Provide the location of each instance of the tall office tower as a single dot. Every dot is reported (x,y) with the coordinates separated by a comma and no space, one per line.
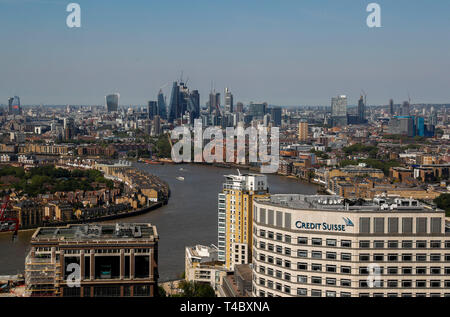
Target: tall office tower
(240,107)
(361,110)
(228,100)
(235,215)
(339,110)
(433,117)
(405,109)
(303,130)
(324,248)
(266,120)
(152,109)
(182,101)
(112,102)
(14,106)
(156,125)
(258,110)
(69,128)
(174,102)
(162,108)
(194,104)
(214,102)
(275,113)
(391,107)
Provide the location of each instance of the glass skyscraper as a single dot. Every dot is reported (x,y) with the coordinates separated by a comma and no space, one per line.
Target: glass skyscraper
(112,102)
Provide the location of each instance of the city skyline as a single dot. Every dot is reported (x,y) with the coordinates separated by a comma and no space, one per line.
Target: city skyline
(316,51)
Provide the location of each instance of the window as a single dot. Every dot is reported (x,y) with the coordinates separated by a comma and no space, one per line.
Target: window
(406,270)
(435,270)
(407,244)
(346,283)
(316,254)
(435,283)
(346,294)
(331,268)
(392,270)
(331,294)
(302,291)
(378,224)
(392,244)
(392,257)
(364,257)
(378,244)
(316,267)
(421,283)
(270,247)
(287,264)
(364,244)
(279,249)
(421,244)
(302,266)
(421,225)
(302,279)
(331,242)
(407,257)
(392,225)
(346,257)
(407,225)
(270,235)
(421,257)
(262,233)
(435,244)
(270,271)
(421,270)
(364,225)
(279,262)
(378,257)
(287,251)
(287,289)
(435,257)
(331,281)
(287,239)
(392,283)
(346,269)
(316,293)
(316,241)
(316,280)
(302,240)
(363,271)
(346,243)
(279,237)
(302,253)
(331,255)
(363,284)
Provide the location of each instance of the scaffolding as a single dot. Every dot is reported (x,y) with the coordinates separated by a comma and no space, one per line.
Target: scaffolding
(41,275)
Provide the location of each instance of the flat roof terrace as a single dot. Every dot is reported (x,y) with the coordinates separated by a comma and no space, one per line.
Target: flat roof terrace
(106,232)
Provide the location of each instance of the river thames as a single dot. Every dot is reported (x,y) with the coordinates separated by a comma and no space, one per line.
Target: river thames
(188,219)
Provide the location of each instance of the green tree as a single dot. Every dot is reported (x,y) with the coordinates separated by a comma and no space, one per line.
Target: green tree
(194,289)
(443,202)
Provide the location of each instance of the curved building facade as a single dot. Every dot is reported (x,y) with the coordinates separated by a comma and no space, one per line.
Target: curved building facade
(315,246)
(112,102)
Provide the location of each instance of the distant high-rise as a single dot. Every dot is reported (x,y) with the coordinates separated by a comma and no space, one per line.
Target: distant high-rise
(258,110)
(361,110)
(69,128)
(339,110)
(303,130)
(162,108)
(14,106)
(214,102)
(182,101)
(112,102)
(405,111)
(391,107)
(228,100)
(239,107)
(152,109)
(275,113)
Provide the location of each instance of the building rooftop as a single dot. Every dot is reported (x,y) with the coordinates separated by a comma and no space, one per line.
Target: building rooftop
(85,232)
(337,203)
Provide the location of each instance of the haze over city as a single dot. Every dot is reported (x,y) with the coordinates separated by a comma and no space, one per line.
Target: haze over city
(283,53)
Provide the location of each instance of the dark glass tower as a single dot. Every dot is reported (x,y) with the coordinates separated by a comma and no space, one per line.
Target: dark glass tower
(162,109)
(361,110)
(112,102)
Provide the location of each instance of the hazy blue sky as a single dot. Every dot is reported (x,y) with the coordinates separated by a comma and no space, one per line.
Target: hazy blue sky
(287,52)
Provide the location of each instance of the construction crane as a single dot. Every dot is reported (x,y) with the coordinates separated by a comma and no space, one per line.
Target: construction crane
(8,224)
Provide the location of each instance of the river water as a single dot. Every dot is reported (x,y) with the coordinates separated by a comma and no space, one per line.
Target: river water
(188,219)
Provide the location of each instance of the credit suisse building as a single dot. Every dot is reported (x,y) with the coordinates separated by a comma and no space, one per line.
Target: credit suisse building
(323,246)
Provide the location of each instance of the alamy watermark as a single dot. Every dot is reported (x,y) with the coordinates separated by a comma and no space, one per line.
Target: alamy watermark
(260,148)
